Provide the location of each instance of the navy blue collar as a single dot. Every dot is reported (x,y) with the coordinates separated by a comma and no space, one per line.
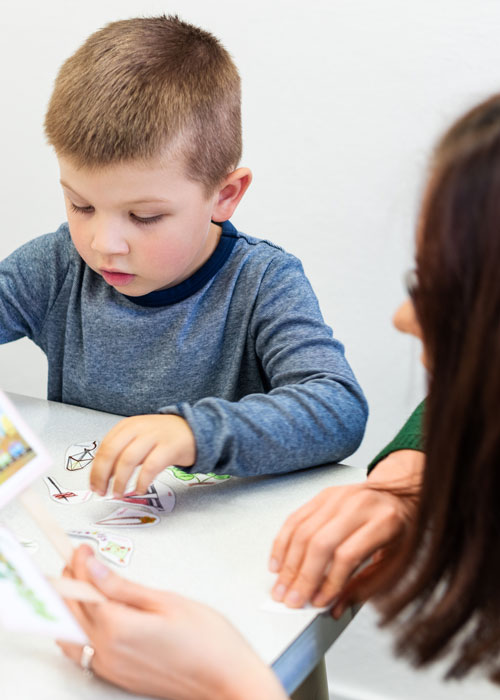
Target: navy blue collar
(185,289)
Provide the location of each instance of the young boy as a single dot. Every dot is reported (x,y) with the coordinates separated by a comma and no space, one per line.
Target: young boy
(149,301)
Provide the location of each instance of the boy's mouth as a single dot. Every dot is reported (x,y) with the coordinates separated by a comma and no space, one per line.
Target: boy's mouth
(116,279)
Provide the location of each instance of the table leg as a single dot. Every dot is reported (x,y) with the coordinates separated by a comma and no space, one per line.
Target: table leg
(315,686)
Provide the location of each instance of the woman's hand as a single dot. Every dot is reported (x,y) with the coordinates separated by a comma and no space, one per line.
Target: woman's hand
(323,543)
(162,644)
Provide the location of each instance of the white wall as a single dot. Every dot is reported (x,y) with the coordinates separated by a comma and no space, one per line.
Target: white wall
(342,100)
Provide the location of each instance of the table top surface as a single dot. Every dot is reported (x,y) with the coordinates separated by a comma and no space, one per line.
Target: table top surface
(213,547)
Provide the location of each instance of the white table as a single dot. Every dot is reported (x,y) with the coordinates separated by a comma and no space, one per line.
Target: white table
(213,547)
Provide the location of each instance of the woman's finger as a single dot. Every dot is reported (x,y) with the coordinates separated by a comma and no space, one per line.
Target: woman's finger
(298,545)
(324,505)
(282,541)
(72,651)
(355,550)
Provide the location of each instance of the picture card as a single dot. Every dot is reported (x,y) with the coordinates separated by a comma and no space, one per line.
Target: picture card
(28,603)
(22,456)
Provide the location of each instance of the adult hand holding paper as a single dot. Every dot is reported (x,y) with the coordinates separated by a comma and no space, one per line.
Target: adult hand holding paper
(27,601)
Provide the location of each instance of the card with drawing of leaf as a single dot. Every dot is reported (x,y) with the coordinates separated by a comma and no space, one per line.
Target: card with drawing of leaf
(28,603)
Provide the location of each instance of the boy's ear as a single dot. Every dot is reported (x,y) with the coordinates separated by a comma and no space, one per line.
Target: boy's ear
(230,193)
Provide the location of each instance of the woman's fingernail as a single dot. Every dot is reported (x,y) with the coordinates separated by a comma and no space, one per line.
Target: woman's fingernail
(279,592)
(274,566)
(338,611)
(96,569)
(295,599)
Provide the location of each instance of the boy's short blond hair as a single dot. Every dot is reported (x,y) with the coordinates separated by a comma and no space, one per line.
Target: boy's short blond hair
(140,87)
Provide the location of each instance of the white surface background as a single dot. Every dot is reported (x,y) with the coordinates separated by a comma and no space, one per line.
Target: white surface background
(342,102)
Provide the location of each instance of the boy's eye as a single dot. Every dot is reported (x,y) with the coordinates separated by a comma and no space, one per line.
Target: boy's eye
(146,219)
(81,210)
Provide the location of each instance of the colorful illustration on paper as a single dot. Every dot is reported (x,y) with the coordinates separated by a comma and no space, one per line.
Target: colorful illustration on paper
(28,603)
(80,455)
(9,573)
(159,497)
(115,548)
(197,479)
(130,517)
(14,450)
(66,496)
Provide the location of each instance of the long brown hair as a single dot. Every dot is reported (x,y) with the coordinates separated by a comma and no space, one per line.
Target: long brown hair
(448,600)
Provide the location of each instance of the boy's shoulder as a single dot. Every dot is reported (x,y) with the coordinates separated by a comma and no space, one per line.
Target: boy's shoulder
(53,251)
(58,241)
(255,249)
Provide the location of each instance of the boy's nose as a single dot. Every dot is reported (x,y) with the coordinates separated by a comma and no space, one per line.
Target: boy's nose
(109,240)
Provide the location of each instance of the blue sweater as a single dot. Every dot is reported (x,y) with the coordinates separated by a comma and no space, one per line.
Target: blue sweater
(240,350)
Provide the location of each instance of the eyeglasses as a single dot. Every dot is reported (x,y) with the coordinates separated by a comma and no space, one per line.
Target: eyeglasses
(410,279)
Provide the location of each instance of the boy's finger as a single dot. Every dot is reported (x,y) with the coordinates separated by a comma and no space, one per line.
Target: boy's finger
(135,453)
(156,461)
(104,461)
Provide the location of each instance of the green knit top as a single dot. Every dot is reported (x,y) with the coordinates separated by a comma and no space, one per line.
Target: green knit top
(410,437)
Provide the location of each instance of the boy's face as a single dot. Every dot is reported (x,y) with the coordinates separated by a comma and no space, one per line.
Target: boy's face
(142,227)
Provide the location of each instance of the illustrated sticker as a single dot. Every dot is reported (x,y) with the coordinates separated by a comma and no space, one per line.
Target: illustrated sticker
(80,455)
(159,497)
(115,548)
(198,479)
(60,495)
(130,517)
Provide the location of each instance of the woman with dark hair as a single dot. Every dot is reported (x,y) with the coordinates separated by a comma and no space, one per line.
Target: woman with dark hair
(430,530)
(439,580)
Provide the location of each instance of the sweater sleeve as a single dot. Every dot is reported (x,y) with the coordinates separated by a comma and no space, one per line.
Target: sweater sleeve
(410,437)
(314,411)
(30,279)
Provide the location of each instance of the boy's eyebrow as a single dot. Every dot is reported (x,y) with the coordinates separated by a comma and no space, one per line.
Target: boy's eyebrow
(150,200)
(65,184)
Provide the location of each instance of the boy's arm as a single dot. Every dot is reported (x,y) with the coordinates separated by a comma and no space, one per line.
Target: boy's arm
(30,278)
(314,411)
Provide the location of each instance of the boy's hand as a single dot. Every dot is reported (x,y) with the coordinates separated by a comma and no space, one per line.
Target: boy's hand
(321,545)
(152,441)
